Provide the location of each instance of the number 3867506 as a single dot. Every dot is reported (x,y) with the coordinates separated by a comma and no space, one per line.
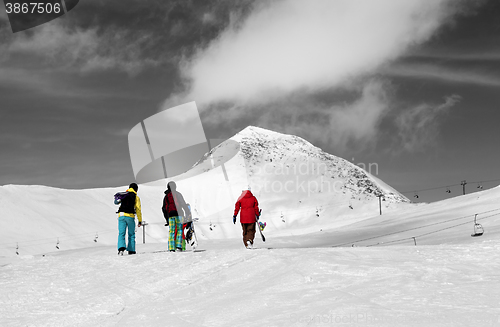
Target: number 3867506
(32,8)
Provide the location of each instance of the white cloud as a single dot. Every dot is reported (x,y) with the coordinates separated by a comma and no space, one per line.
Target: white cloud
(288,45)
(358,122)
(288,51)
(441,73)
(83,50)
(50,39)
(51,84)
(420,126)
(475,53)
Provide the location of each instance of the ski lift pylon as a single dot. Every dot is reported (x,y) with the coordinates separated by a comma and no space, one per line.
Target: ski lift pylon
(478,228)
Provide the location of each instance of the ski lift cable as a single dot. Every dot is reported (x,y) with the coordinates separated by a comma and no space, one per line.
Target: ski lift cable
(430,189)
(410,238)
(449,185)
(425,234)
(418,236)
(436,231)
(419,227)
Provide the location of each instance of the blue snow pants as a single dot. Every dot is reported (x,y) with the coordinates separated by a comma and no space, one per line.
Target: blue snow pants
(125,223)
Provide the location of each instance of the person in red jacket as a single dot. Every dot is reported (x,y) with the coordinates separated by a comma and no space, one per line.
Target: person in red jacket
(249,211)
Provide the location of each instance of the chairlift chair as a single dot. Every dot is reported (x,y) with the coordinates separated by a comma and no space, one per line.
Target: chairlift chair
(478,228)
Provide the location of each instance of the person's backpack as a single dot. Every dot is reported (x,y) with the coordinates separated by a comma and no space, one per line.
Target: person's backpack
(119,197)
(169,209)
(165,206)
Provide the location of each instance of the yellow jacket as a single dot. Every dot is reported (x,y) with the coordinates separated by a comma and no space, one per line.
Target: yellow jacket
(137,207)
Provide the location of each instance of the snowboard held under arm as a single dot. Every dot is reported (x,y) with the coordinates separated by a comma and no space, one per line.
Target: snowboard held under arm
(257,218)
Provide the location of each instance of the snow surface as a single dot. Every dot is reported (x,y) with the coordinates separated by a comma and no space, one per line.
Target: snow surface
(323,264)
(447,285)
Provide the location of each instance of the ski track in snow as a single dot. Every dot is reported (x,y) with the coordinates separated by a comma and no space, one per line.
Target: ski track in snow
(448,285)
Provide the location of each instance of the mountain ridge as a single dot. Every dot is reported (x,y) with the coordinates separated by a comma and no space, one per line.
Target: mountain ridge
(261,146)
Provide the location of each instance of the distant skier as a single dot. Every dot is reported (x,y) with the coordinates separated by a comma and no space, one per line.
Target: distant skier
(129,207)
(249,211)
(174,208)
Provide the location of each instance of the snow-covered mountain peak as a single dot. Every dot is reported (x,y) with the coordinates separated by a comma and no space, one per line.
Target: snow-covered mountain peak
(293,180)
(286,155)
(254,134)
(254,130)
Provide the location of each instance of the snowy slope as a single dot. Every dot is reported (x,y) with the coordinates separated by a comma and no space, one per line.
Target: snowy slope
(35,229)
(298,186)
(306,274)
(38,218)
(452,285)
(35,217)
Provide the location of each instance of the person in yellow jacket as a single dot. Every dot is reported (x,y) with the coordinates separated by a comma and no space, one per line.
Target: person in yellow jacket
(129,207)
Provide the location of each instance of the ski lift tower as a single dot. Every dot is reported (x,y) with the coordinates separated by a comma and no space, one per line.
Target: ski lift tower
(380,202)
(463,183)
(143,224)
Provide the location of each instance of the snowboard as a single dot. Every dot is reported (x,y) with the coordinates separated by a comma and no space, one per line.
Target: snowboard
(259,228)
(190,235)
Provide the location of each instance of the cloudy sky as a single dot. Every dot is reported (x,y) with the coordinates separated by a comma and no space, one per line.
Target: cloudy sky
(408,86)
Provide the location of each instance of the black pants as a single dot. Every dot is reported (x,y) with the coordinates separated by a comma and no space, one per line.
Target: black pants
(248,232)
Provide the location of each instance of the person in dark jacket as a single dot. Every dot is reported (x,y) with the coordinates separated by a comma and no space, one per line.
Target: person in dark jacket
(174,208)
(249,206)
(129,207)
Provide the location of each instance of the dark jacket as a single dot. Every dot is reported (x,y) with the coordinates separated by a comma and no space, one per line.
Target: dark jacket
(174,205)
(131,205)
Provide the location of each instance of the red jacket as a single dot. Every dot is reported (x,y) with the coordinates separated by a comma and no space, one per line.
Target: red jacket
(249,207)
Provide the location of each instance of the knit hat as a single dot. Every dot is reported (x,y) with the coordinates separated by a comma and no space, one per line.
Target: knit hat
(134,186)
